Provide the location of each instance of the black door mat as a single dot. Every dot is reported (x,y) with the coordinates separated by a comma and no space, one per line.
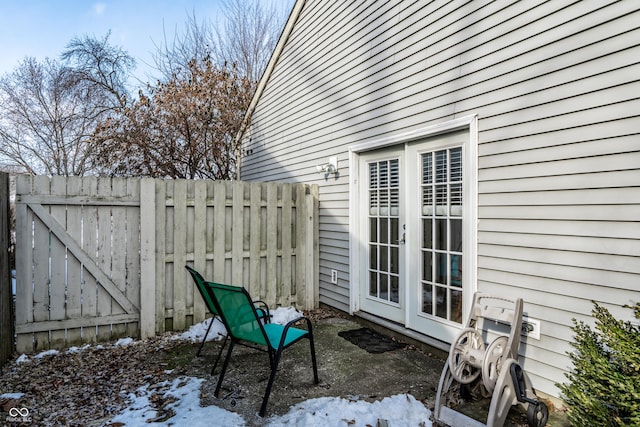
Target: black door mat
(370,341)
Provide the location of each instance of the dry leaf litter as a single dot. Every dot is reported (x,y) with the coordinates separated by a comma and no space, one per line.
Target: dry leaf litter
(87,386)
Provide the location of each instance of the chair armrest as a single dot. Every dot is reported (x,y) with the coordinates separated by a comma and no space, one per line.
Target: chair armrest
(290,324)
(261,305)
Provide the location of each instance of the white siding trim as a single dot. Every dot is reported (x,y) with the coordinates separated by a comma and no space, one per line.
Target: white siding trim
(469,121)
(262,84)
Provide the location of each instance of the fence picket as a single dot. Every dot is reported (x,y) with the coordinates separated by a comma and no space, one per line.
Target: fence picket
(150,322)
(286,258)
(161,242)
(57,256)
(24,264)
(219,233)
(41,277)
(104,256)
(179,252)
(74,274)
(132,253)
(272,242)
(237,232)
(199,246)
(254,283)
(118,251)
(90,245)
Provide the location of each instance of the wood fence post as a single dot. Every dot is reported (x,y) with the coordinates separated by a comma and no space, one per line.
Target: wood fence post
(148,258)
(6,297)
(312,259)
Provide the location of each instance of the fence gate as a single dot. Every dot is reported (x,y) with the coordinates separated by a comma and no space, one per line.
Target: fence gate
(79,244)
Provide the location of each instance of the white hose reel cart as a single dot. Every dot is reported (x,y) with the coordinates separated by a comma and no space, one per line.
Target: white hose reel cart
(488,370)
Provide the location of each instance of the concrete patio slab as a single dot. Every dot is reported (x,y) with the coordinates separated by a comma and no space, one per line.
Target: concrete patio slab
(345,370)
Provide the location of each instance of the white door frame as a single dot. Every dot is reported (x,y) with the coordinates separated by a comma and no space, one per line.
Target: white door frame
(467,122)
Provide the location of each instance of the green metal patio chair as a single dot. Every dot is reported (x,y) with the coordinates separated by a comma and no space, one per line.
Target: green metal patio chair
(263,311)
(244,327)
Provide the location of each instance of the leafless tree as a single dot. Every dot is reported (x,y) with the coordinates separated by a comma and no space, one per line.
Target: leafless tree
(101,68)
(245,39)
(174,54)
(43,120)
(250,34)
(50,109)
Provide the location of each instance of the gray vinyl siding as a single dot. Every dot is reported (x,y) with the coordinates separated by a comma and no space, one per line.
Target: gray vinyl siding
(555,86)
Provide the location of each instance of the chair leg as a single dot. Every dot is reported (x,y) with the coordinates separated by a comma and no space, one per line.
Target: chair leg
(204,339)
(313,359)
(272,377)
(215,364)
(271,354)
(224,369)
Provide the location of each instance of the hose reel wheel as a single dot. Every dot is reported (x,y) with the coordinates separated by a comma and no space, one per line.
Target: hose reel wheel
(492,362)
(537,414)
(466,355)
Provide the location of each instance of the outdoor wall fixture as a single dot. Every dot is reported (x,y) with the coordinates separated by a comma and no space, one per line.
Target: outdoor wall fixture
(330,167)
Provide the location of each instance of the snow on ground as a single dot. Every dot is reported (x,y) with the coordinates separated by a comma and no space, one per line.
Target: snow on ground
(398,410)
(46,353)
(284,315)
(187,407)
(11,395)
(196,332)
(23,358)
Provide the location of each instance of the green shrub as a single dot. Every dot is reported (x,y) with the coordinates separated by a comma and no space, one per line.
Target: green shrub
(604,385)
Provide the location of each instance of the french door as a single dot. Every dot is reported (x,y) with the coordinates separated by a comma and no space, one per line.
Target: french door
(383,223)
(413,223)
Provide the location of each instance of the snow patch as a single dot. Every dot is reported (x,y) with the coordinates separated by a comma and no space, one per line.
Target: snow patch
(196,332)
(14,396)
(74,349)
(187,407)
(398,410)
(283,315)
(123,341)
(46,353)
(23,358)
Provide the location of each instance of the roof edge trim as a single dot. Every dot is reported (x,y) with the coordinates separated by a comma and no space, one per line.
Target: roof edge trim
(275,56)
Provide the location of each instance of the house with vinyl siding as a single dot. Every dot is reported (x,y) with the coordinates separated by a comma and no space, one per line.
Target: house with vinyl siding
(487,146)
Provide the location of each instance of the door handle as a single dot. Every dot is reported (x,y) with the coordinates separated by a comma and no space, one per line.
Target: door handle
(402,240)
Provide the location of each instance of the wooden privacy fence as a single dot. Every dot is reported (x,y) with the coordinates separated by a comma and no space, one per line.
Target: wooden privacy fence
(102,258)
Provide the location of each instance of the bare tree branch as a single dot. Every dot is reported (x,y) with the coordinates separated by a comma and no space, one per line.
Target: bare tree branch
(49,110)
(250,34)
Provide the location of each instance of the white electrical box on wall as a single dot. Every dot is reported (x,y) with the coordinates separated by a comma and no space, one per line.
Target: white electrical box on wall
(531,328)
(334,277)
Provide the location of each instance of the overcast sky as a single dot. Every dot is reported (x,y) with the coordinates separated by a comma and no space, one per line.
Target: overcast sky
(42,28)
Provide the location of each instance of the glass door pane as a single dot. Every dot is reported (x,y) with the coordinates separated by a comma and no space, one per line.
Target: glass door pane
(384,230)
(441,245)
